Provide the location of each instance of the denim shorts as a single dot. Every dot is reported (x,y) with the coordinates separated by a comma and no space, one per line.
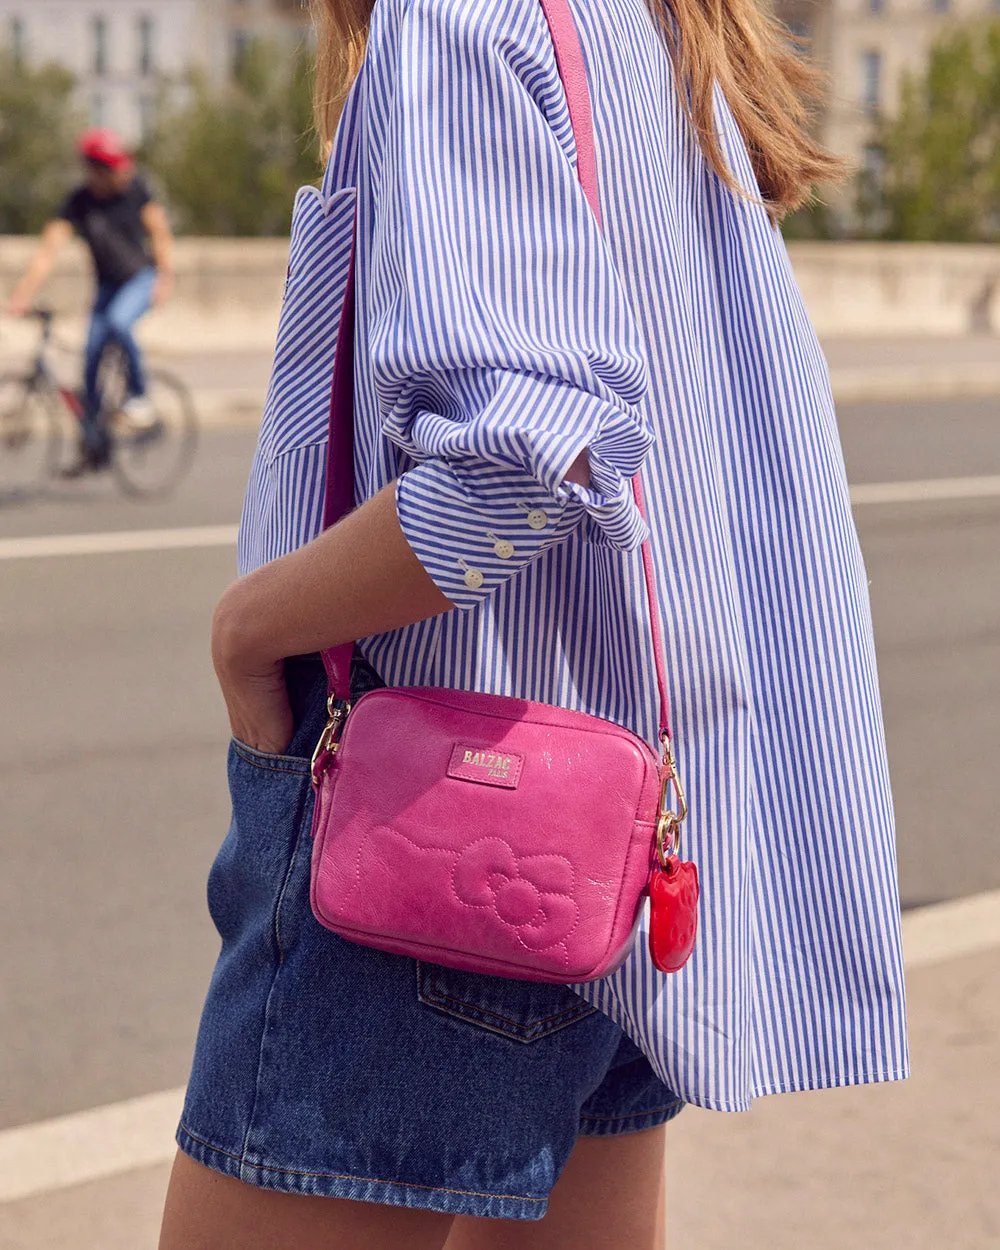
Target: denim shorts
(327,1068)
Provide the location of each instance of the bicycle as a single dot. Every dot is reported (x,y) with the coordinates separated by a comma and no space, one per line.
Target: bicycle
(148,457)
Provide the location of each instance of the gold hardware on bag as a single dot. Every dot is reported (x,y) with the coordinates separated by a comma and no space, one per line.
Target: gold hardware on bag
(668,828)
(330,737)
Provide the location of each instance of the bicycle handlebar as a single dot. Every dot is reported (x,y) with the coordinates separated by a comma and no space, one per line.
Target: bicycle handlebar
(45,316)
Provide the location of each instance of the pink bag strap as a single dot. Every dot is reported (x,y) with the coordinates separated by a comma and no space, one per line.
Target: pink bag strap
(339,498)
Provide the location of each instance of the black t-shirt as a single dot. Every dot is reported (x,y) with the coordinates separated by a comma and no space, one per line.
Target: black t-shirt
(113,230)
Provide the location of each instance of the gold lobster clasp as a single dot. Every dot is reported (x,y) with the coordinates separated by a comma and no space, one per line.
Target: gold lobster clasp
(668,828)
(330,737)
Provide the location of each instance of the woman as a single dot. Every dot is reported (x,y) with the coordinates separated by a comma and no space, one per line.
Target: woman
(514,365)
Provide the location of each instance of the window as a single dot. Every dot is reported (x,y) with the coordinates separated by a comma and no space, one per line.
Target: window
(99,30)
(871,80)
(873,168)
(146,29)
(17,39)
(871,207)
(239,44)
(146,109)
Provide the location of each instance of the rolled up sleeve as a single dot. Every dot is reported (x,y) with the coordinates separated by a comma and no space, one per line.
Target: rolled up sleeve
(502,343)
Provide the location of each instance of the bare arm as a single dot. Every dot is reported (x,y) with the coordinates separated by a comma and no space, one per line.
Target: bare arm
(54,236)
(161,241)
(359,578)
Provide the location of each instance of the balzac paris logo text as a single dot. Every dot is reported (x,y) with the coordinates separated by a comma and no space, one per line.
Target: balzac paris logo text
(495,765)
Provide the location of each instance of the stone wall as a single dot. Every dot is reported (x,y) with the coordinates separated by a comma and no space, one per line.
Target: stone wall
(228,292)
(899,289)
(226,297)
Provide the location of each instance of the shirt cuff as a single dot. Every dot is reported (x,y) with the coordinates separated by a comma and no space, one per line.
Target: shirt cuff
(613,518)
(472,528)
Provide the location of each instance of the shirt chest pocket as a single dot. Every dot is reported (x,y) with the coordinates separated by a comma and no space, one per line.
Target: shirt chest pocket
(297,410)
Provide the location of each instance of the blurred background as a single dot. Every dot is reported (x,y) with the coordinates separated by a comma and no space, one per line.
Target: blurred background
(112,740)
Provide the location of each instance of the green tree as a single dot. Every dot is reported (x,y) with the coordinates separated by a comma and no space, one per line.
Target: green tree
(37,129)
(229,162)
(814,221)
(942,150)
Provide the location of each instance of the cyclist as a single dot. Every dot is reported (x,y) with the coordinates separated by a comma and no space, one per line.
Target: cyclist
(131,244)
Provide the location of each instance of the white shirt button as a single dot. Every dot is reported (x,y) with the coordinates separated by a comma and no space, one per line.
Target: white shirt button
(474,579)
(537,519)
(503,549)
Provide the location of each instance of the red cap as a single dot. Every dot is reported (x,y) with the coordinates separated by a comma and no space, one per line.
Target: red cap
(103,147)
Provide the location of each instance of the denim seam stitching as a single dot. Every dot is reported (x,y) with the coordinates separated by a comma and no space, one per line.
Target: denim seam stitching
(569,1015)
(260,759)
(288,880)
(270,994)
(522,1037)
(364,1180)
(435,999)
(632,1115)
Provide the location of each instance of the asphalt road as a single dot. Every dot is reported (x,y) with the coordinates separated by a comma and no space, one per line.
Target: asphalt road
(112,745)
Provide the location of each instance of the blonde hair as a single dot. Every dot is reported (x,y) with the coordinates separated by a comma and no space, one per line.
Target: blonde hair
(769,85)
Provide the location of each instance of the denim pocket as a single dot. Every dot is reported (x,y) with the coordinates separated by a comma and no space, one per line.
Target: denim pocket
(271,801)
(523,1011)
(272,760)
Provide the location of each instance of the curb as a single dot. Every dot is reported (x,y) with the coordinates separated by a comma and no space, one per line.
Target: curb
(857,386)
(232,406)
(242,406)
(106,1141)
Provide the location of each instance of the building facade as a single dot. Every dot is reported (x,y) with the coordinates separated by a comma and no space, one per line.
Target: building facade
(124,52)
(867,47)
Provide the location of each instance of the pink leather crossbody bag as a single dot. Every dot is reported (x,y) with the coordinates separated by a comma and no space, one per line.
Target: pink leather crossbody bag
(487,833)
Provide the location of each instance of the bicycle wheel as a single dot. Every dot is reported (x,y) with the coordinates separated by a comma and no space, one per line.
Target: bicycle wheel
(29,437)
(151,453)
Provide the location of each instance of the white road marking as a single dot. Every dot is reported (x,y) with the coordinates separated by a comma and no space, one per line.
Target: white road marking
(188,537)
(966,926)
(115,541)
(939,489)
(125,1136)
(88,1146)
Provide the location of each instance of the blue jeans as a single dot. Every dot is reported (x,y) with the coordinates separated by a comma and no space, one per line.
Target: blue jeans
(116,311)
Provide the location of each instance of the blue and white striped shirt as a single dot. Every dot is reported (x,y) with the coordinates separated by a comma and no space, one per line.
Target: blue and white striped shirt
(499,333)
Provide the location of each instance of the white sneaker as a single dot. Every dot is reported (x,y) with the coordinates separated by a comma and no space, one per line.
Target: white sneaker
(139,413)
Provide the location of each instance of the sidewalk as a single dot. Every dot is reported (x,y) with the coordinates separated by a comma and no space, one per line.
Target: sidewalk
(229,386)
(914,368)
(911,1166)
